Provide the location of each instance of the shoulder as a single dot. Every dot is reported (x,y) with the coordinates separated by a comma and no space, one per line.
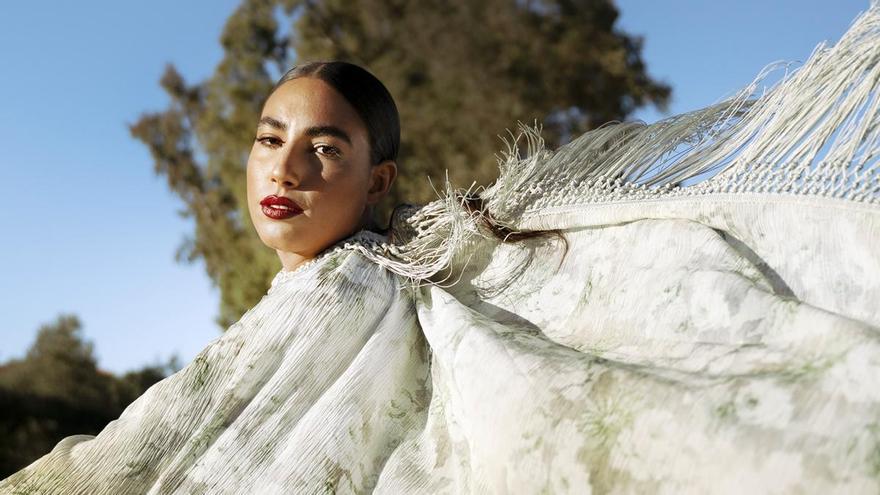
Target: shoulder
(349,265)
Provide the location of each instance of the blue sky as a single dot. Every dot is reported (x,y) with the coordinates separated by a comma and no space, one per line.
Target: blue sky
(89,229)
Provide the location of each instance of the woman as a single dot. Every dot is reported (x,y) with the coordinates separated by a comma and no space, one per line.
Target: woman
(716,338)
(323,156)
(263,408)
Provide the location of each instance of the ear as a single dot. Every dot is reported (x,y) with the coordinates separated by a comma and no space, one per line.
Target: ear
(381,178)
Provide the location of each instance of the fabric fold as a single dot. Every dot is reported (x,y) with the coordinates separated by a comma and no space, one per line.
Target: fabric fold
(310,388)
(677,371)
(663,331)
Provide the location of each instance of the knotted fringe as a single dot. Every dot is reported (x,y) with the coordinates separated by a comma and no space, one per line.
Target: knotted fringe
(425,238)
(815,132)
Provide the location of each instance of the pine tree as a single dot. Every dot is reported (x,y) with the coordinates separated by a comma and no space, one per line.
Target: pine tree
(462,73)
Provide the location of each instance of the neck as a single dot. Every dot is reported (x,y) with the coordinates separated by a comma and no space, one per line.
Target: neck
(292,261)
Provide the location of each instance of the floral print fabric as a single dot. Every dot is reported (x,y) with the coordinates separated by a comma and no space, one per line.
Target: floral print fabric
(650,357)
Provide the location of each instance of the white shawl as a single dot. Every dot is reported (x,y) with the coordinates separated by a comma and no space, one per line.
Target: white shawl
(718,337)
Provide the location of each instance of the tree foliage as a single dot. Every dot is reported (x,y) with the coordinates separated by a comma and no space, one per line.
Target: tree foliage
(57,390)
(462,73)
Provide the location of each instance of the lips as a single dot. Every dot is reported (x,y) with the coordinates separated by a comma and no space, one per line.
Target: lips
(279,207)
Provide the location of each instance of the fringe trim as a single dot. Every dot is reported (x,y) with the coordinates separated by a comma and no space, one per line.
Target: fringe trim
(425,239)
(814,133)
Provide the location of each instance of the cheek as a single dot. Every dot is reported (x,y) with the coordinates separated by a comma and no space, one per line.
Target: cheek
(250,187)
(346,192)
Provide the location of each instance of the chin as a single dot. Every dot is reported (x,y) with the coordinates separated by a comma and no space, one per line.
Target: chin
(282,241)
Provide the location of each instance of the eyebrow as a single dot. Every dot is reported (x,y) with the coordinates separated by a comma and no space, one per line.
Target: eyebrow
(273,122)
(328,130)
(314,131)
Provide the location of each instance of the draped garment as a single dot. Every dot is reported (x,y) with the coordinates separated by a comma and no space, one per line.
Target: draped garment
(705,320)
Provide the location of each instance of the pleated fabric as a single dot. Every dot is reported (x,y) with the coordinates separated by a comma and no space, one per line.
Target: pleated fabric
(718,337)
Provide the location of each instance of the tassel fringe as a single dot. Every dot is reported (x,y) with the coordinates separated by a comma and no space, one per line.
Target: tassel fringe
(816,132)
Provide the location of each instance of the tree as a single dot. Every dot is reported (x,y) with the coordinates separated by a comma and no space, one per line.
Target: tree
(462,73)
(57,390)
(61,365)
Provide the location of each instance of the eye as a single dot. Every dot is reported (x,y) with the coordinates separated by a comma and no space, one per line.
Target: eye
(269,141)
(331,151)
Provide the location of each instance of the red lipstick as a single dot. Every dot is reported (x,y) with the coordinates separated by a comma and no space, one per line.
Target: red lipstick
(279,207)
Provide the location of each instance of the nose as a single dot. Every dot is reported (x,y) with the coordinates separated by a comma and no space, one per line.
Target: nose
(288,171)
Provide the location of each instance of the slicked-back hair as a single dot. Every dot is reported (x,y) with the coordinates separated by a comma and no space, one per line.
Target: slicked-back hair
(366,94)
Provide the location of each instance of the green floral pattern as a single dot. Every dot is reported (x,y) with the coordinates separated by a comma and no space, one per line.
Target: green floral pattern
(612,369)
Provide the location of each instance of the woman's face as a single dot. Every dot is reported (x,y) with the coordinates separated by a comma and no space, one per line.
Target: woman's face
(311,147)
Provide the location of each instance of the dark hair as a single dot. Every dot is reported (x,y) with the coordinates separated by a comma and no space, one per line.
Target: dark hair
(373,103)
(366,94)
(474,203)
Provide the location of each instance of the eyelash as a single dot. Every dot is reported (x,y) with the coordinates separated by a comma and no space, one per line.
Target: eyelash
(269,141)
(334,151)
(273,142)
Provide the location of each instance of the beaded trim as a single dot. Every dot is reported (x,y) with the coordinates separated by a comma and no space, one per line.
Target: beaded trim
(363,239)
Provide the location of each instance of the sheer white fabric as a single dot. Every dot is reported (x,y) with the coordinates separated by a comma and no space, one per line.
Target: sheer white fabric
(717,338)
